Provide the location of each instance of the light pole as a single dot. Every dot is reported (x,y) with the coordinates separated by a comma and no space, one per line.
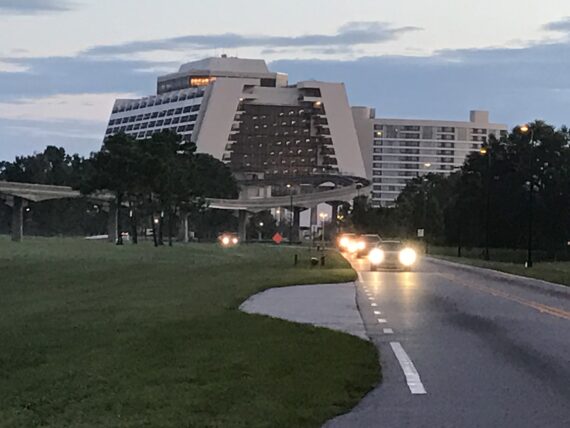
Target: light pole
(427,165)
(486,151)
(527,130)
(260,232)
(323,217)
(290,187)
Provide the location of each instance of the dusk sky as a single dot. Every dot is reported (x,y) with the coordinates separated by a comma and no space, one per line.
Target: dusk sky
(62,63)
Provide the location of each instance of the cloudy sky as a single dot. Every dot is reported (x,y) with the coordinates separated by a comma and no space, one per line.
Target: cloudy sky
(63,62)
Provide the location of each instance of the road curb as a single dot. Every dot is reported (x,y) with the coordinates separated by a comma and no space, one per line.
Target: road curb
(509,277)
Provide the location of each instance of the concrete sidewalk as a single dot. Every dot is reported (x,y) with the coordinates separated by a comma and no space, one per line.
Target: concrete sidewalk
(326,305)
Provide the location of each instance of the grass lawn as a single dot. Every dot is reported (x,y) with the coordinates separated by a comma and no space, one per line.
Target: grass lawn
(97,335)
(558,272)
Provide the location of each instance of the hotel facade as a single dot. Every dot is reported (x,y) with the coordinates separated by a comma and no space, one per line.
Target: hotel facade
(239,111)
(396,151)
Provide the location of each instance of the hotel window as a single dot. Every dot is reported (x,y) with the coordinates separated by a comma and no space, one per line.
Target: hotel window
(170,112)
(187,109)
(154,115)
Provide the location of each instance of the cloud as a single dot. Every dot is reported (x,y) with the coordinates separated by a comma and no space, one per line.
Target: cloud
(47,76)
(561,26)
(24,137)
(353,33)
(82,107)
(516,85)
(31,7)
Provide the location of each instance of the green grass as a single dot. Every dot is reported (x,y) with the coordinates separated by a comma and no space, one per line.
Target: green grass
(93,335)
(557,272)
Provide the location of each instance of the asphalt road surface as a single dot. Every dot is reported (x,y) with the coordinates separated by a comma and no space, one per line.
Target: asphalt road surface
(463,348)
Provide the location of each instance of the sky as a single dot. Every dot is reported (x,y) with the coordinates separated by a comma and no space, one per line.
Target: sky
(63,62)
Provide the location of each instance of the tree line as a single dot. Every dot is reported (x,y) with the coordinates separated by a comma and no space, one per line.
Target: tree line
(515,187)
(158,183)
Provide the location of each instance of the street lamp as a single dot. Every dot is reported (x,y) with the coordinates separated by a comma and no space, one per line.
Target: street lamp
(290,188)
(323,217)
(527,130)
(425,199)
(485,151)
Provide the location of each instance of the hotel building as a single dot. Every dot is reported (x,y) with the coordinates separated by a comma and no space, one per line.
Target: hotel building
(397,150)
(241,112)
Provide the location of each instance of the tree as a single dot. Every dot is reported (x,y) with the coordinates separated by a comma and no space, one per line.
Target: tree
(115,168)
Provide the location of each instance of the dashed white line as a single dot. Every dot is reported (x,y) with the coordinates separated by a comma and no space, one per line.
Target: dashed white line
(382,320)
(373,304)
(412,376)
(377,313)
(371,298)
(388,331)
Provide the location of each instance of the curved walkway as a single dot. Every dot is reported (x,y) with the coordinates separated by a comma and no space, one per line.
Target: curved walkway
(331,306)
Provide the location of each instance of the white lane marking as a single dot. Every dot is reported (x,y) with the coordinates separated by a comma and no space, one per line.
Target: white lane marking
(373,304)
(412,376)
(388,331)
(360,278)
(371,298)
(382,320)
(377,313)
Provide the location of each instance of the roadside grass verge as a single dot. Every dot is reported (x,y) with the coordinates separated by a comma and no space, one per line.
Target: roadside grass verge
(94,335)
(557,272)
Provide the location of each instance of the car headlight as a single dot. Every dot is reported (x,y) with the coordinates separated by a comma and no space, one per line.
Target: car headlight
(408,257)
(361,245)
(352,247)
(376,256)
(344,242)
(235,241)
(226,241)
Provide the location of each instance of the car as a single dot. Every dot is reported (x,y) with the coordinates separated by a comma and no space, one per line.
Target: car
(345,240)
(392,255)
(365,243)
(228,239)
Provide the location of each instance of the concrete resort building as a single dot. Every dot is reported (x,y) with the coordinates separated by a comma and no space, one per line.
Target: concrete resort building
(239,111)
(397,150)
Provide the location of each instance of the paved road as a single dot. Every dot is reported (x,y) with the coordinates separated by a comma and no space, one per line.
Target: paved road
(478,350)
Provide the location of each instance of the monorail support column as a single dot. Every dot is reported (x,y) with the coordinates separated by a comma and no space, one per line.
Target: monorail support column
(18,219)
(334,217)
(314,221)
(242,225)
(296,223)
(113,223)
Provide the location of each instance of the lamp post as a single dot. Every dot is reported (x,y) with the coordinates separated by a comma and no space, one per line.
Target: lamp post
(323,217)
(427,165)
(485,151)
(290,188)
(527,130)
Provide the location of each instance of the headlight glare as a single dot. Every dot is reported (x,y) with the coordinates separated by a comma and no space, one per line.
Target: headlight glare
(408,257)
(376,256)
